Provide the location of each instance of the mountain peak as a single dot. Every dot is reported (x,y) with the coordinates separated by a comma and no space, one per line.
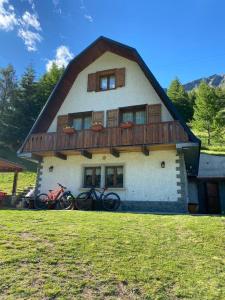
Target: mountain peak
(216,80)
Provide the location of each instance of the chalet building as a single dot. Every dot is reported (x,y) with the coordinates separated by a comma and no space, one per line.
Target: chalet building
(109,123)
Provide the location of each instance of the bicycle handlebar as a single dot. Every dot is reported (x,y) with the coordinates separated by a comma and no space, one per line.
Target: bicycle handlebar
(63,187)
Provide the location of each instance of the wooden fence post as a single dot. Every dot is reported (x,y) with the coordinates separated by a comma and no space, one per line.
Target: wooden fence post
(15,178)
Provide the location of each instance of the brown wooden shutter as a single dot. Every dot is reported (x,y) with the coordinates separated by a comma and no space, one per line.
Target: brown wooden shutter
(113,118)
(62,122)
(98,116)
(154,113)
(120,77)
(91,82)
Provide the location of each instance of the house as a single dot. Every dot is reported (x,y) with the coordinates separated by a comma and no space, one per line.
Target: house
(108,122)
(207,190)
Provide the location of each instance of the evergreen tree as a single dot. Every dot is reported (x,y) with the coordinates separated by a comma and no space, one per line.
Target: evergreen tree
(8,94)
(47,83)
(205,109)
(179,96)
(24,109)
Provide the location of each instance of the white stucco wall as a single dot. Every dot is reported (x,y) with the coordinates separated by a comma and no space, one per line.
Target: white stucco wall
(137,90)
(144,179)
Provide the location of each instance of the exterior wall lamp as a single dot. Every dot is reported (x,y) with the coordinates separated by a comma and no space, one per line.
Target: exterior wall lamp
(50,169)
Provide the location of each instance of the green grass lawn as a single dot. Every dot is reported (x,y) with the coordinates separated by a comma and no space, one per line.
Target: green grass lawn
(25,179)
(98,255)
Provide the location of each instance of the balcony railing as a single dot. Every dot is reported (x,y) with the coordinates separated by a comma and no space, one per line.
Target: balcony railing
(148,134)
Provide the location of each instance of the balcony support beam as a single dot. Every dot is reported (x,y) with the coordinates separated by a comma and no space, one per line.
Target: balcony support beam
(86,154)
(60,155)
(145,150)
(114,152)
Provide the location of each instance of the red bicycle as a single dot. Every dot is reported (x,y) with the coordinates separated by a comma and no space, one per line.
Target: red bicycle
(58,198)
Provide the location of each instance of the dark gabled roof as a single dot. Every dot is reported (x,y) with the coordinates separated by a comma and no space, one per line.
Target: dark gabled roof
(79,63)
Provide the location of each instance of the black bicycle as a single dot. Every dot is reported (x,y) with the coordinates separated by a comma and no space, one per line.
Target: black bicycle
(110,201)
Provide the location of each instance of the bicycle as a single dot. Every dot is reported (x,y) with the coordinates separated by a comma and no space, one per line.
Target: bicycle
(110,201)
(58,198)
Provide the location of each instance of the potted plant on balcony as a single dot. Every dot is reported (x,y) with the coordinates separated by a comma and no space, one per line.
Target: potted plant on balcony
(69,130)
(128,124)
(97,126)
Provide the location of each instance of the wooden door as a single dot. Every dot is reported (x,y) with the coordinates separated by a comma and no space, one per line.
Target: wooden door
(212,198)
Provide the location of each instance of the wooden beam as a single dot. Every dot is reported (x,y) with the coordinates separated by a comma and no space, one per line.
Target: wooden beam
(145,150)
(60,155)
(114,152)
(15,178)
(86,154)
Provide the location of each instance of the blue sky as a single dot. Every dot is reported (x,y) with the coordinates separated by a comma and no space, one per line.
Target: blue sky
(175,38)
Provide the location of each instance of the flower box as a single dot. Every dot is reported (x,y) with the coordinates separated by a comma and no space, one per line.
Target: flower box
(97,127)
(69,130)
(126,125)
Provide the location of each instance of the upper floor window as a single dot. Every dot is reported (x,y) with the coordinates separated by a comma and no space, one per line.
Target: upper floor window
(136,115)
(107,82)
(81,121)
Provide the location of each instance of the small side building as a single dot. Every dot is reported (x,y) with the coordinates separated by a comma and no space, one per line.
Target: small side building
(207,190)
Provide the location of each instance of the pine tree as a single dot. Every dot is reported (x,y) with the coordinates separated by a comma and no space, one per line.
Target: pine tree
(47,83)
(24,108)
(8,94)
(179,96)
(205,110)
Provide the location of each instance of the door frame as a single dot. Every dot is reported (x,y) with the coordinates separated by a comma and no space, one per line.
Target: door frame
(206,195)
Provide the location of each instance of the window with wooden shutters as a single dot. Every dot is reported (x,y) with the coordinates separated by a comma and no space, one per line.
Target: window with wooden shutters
(62,122)
(106,80)
(80,121)
(113,118)
(135,114)
(154,113)
(98,117)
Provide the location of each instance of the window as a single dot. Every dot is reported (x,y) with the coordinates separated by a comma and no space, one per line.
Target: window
(136,115)
(107,82)
(81,121)
(114,176)
(92,176)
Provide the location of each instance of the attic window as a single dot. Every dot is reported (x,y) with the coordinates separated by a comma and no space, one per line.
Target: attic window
(107,82)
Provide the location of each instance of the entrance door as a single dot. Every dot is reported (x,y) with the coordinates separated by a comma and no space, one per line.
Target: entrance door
(212,198)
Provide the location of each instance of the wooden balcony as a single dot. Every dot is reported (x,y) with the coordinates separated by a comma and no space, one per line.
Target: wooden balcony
(148,134)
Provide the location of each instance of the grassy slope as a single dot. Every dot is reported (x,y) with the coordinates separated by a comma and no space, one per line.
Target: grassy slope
(25,179)
(95,255)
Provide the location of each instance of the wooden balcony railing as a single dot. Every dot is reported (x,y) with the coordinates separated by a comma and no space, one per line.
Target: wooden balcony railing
(149,134)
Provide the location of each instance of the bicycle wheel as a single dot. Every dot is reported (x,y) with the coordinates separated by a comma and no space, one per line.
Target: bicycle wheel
(64,202)
(84,201)
(42,201)
(111,201)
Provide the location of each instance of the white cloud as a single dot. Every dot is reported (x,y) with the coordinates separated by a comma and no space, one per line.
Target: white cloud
(89,18)
(8,18)
(28,26)
(62,57)
(30,38)
(29,19)
(86,14)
